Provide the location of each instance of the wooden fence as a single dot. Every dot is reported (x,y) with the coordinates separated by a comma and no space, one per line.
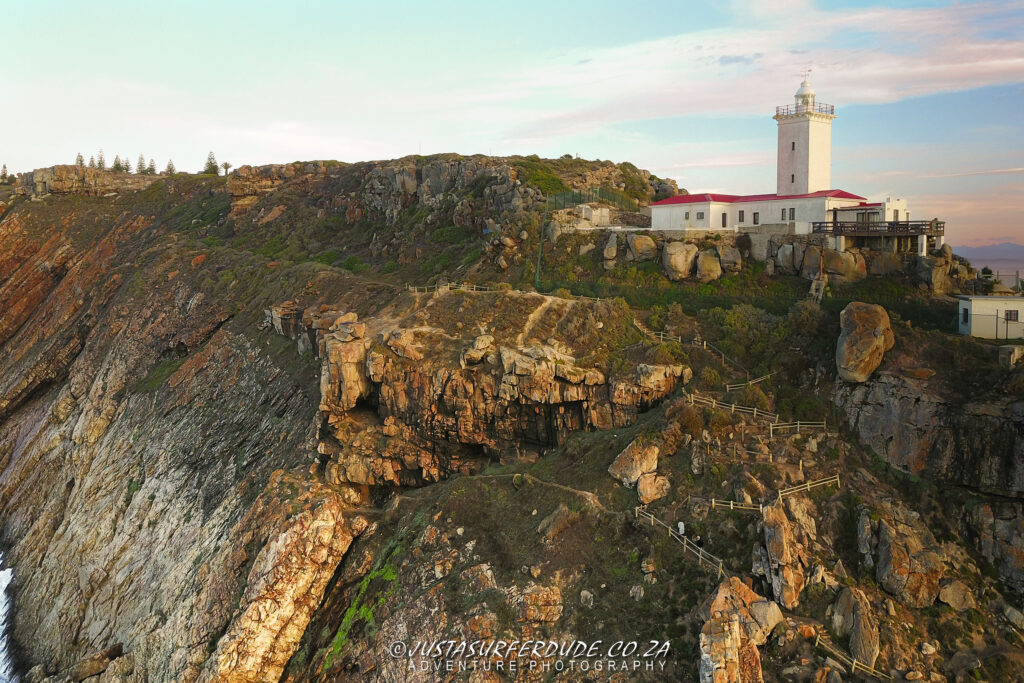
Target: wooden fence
(450,287)
(855,666)
(704,559)
(834,479)
(662,338)
(694,399)
(733,505)
(749,382)
(798,425)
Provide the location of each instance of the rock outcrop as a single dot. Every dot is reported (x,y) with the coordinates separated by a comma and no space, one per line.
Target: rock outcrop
(785,568)
(907,569)
(484,406)
(851,616)
(864,338)
(708,266)
(71,179)
(641,247)
(634,462)
(730,258)
(737,621)
(284,588)
(678,259)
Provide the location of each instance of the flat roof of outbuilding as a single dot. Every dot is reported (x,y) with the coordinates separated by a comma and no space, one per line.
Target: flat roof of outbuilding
(989,297)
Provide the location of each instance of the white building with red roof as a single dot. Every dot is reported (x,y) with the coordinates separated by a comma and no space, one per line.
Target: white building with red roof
(804,201)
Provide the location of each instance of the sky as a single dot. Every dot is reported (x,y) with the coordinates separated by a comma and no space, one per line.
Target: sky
(929,95)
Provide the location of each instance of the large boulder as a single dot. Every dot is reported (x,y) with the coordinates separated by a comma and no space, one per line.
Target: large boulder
(864,338)
(651,487)
(730,258)
(957,595)
(843,266)
(611,250)
(907,569)
(934,272)
(784,259)
(810,268)
(851,616)
(678,259)
(633,462)
(884,263)
(611,247)
(641,247)
(708,266)
(784,557)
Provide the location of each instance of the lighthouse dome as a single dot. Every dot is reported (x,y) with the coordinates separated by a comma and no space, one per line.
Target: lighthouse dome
(805,90)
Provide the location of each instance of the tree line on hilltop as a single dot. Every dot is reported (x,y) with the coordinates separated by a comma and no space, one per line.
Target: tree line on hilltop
(142,167)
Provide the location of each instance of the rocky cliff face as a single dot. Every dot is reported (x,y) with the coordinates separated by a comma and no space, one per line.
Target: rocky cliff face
(71,179)
(977,445)
(443,402)
(385,190)
(222,459)
(144,502)
(178,481)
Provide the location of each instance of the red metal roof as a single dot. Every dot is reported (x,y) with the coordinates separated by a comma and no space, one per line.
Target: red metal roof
(734,198)
(861,205)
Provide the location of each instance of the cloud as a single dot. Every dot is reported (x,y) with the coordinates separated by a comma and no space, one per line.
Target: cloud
(994,171)
(726,60)
(872,55)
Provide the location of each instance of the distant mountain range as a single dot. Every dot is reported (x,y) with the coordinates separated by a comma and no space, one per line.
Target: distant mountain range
(1007,251)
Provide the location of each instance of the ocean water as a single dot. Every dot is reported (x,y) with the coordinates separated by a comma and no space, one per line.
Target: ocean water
(7,674)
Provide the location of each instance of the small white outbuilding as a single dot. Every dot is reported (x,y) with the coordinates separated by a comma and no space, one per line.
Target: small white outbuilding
(991,317)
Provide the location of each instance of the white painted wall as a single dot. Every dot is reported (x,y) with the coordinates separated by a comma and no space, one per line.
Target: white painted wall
(805,211)
(808,167)
(986,317)
(684,216)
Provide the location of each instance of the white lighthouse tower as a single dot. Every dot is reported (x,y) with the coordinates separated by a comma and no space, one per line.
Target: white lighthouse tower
(805,144)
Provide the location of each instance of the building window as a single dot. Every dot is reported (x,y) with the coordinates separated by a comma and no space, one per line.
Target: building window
(725,218)
(792,177)
(964,318)
(757,218)
(793,147)
(700,215)
(687,216)
(792,214)
(741,216)
(1011,316)
(783,214)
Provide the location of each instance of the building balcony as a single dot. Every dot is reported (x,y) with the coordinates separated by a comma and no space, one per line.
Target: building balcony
(816,108)
(879,228)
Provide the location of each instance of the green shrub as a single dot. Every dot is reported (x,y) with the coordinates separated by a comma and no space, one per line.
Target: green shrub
(710,379)
(752,395)
(389,267)
(355,265)
(327,257)
(450,235)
